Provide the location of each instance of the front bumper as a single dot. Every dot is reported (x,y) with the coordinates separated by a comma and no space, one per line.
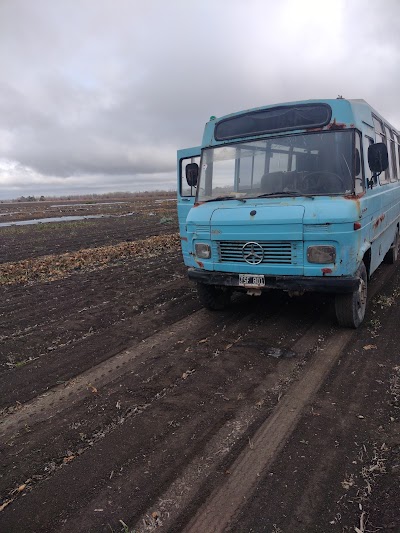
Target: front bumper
(286,283)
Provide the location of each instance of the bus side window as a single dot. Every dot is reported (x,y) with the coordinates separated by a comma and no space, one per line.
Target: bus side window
(380,137)
(391,154)
(186,190)
(398,153)
(394,153)
(359,167)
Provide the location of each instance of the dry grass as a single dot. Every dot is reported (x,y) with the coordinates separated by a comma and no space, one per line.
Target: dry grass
(58,266)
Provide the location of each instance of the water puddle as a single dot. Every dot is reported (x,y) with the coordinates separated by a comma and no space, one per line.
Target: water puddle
(58,219)
(277,353)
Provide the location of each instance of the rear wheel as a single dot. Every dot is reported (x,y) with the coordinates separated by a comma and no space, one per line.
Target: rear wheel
(214,298)
(393,253)
(350,308)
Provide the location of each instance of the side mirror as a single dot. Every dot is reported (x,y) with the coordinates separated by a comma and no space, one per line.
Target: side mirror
(192,174)
(378,160)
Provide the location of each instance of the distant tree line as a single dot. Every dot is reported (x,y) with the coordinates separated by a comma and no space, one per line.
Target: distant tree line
(93,196)
(29,199)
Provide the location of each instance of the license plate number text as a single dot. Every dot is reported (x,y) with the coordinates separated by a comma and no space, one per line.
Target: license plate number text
(250,280)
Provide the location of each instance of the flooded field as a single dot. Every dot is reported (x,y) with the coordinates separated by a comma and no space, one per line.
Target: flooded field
(27,211)
(125,406)
(57,219)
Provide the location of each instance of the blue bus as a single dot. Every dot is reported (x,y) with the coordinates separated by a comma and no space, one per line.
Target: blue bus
(300,196)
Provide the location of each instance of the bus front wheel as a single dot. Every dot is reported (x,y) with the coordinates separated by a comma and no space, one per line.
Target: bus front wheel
(214,298)
(350,308)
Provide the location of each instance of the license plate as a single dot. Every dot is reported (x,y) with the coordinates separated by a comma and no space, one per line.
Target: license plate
(249,280)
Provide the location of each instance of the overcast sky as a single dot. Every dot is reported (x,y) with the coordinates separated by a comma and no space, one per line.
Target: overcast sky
(98,95)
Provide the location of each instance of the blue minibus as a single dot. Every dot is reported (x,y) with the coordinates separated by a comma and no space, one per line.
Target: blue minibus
(300,196)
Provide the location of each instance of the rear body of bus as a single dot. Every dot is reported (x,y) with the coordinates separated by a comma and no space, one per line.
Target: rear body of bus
(302,196)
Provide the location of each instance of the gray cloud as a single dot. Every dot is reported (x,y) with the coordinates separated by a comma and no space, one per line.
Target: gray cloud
(100,94)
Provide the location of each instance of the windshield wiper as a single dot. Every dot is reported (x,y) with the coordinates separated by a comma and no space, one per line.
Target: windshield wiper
(225,198)
(281,193)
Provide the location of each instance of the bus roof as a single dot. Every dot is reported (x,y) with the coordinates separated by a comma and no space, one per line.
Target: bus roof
(343,114)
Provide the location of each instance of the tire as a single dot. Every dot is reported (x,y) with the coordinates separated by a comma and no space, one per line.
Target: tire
(393,253)
(213,298)
(350,308)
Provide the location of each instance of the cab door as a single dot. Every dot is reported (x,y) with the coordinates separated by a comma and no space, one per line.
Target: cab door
(186,193)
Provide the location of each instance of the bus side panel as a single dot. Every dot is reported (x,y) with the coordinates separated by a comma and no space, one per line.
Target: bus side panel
(384,216)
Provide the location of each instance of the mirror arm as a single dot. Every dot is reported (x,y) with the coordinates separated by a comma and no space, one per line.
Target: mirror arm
(373,180)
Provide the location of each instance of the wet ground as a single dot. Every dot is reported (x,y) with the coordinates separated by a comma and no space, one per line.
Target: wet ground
(123,402)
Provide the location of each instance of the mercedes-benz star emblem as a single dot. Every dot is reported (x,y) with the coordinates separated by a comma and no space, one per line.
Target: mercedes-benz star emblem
(253,253)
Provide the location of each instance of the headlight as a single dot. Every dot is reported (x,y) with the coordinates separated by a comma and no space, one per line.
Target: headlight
(321,254)
(203,251)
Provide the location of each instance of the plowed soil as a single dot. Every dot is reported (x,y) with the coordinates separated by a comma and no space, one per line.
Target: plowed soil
(125,406)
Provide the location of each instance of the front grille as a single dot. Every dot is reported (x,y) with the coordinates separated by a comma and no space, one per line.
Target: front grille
(280,253)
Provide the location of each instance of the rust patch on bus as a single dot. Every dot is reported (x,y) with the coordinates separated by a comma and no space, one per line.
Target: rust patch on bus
(379,220)
(201,265)
(354,196)
(356,200)
(336,125)
(184,238)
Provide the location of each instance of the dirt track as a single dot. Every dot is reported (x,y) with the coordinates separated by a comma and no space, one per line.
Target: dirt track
(123,400)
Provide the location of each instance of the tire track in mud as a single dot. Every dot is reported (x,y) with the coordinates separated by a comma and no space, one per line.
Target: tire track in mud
(84,351)
(65,396)
(229,497)
(176,502)
(186,404)
(268,440)
(50,404)
(219,510)
(240,321)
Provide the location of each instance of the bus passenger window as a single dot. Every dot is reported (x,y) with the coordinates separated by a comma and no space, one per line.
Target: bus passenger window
(359,174)
(393,159)
(395,176)
(396,142)
(391,154)
(398,153)
(380,137)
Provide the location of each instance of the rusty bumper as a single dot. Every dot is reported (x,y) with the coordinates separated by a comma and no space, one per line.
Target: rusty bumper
(286,283)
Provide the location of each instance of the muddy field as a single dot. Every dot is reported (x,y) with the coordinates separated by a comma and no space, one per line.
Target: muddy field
(124,406)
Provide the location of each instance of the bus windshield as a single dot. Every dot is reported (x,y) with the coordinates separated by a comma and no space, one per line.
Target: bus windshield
(297,165)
